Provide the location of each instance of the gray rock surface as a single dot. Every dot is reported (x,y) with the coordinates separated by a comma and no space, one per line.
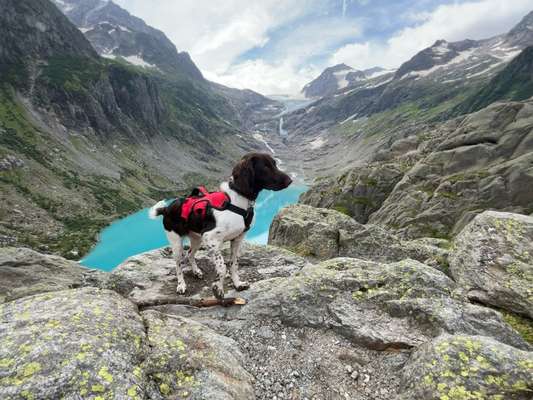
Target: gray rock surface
(93,343)
(359,192)
(71,344)
(492,259)
(377,306)
(150,278)
(325,233)
(25,272)
(187,360)
(479,162)
(467,367)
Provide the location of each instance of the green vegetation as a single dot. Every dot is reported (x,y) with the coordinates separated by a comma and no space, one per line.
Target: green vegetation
(522,325)
(514,82)
(73,74)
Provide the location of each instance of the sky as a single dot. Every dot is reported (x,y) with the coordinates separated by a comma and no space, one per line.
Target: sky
(277,46)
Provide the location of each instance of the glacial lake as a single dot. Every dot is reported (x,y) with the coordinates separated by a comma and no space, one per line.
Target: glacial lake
(137,233)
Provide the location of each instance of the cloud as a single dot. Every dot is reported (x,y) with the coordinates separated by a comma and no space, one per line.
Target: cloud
(452,22)
(265,77)
(218,36)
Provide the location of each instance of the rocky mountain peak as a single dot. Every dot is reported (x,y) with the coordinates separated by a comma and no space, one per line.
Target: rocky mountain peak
(115,33)
(522,34)
(338,77)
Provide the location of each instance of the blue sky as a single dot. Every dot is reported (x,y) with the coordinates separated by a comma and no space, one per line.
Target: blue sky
(277,46)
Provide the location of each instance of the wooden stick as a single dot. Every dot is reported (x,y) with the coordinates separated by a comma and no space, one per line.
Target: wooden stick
(201,303)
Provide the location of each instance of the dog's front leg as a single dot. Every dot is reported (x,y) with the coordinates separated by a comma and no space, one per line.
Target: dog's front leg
(176,243)
(213,243)
(235,252)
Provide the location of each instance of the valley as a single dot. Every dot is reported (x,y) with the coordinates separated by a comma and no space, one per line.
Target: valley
(398,265)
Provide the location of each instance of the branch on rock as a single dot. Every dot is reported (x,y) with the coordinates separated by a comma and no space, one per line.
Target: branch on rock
(200,303)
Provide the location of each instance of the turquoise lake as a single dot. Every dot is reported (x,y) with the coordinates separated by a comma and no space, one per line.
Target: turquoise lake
(137,233)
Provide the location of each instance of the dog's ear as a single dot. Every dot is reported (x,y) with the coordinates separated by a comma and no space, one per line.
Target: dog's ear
(244,178)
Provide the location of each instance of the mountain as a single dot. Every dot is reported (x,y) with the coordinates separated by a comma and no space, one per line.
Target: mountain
(120,36)
(339,77)
(515,82)
(428,86)
(85,139)
(115,33)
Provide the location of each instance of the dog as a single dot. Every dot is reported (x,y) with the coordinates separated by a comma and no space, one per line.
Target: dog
(253,173)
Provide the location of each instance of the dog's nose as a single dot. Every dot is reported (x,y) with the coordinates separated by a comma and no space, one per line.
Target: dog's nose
(288,180)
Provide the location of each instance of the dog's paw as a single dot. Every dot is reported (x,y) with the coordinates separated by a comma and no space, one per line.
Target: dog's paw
(198,273)
(218,291)
(181,288)
(240,286)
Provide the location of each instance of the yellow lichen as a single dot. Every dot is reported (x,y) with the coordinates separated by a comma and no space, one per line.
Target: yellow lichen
(104,374)
(30,369)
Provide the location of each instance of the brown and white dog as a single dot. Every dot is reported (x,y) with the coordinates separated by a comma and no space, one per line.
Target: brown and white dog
(255,172)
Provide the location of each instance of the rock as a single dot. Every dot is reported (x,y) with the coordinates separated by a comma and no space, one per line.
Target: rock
(10,162)
(357,193)
(188,360)
(92,342)
(467,367)
(25,272)
(378,306)
(150,278)
(79,343)
(478,162)
(492,260)
(325,233)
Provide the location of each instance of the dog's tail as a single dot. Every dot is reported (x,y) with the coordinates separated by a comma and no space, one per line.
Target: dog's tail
(157,210)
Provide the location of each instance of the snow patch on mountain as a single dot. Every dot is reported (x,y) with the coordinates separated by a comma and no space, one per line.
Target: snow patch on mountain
(138,61)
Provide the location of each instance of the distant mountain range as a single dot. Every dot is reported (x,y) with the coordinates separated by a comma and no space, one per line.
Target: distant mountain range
(339,77)
(436,81)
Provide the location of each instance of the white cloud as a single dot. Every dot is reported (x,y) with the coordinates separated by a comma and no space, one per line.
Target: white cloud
(266,78)
(453,22)
(216,34)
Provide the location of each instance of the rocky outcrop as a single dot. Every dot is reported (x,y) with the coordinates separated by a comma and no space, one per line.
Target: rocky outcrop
(70,344)
(342,327)
(189,361)
(358,192)
(492,259)
(93,343)
(25,272)
(467,367)
(476,163)
(325,233)
(378,306)
(149,278)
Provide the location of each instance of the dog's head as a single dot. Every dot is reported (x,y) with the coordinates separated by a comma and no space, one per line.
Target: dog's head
(258,171)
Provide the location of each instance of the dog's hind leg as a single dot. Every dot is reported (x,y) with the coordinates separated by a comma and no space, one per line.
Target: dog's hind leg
(196,241)
(176,243)
(213,241)
(235,252)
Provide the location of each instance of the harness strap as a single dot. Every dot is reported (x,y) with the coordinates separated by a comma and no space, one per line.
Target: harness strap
(248,214)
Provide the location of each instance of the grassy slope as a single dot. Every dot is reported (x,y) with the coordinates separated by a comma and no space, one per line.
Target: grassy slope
(60,208)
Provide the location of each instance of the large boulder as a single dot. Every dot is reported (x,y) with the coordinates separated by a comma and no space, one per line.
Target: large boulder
(92,343)
(325,233)
(150,278)
(71,344)
(24,272)
(492,259)
(187,360)
(378,306)
(467,367)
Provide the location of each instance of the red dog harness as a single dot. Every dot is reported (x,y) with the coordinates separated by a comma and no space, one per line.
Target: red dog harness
(200,201)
